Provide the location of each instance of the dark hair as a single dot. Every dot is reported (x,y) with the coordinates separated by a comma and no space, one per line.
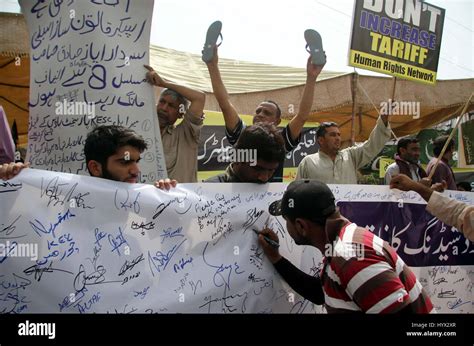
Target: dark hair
(466,186)
(321,131)
(403,143)
(276,105)
(439,142)
(180,98)
(104,141)
(309,199)
(264,137)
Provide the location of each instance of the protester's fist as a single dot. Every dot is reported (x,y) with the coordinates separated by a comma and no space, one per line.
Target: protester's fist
(425,181)
(215,58)
(270,251)
(166,184)
(440,187)
(153,77)
(312,69)
(402,182)
(10,170)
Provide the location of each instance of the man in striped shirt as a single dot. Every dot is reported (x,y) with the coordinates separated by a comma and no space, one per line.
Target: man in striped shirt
(361,272)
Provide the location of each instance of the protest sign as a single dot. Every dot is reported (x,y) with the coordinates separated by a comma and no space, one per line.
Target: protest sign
(87,70)
(399,38)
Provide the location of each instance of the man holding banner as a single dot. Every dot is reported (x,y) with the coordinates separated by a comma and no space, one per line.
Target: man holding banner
(112,152)
(180,143)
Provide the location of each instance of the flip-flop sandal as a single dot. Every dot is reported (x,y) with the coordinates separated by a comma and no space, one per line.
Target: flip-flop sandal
(213,33)
(314,46)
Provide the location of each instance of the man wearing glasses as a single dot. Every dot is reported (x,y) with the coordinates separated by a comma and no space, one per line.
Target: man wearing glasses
(334,166)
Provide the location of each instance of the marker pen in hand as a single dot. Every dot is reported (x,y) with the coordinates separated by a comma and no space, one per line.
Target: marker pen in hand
(271,242)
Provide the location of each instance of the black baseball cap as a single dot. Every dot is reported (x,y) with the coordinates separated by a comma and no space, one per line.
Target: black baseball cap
(309,199)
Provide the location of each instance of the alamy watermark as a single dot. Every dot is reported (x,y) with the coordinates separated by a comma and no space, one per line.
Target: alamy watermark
(400,108)
(75,108)
(344,250)
(37,329)
(14,249)
(230,154)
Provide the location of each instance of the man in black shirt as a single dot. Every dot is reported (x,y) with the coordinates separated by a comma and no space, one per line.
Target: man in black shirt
(256,156)
(267,111)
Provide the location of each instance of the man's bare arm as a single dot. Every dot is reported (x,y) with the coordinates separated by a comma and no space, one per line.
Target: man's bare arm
(404,183)
(196,97)
(296,124)
(10,170)
(231,117)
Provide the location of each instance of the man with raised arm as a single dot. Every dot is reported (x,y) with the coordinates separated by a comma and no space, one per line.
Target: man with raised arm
(334,166)
(180,142)
(267,111)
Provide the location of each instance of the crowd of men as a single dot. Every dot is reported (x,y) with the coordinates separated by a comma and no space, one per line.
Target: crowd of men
(380,282)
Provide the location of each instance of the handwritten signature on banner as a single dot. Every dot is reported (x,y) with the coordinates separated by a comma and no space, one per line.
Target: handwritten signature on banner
(187,250)
(152,254)
(451,287)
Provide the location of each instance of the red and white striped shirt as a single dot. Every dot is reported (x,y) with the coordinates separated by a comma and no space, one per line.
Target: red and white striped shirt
(365,274)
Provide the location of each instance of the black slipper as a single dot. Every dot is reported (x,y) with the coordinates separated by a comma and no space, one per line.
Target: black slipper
(213,33)
(315,47)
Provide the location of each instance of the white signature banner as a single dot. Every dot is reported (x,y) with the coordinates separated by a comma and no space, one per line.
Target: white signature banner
(71,243)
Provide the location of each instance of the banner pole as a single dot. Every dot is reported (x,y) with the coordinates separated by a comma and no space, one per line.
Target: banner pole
(394,85)
(355,77)
(393,88)
(450,137)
